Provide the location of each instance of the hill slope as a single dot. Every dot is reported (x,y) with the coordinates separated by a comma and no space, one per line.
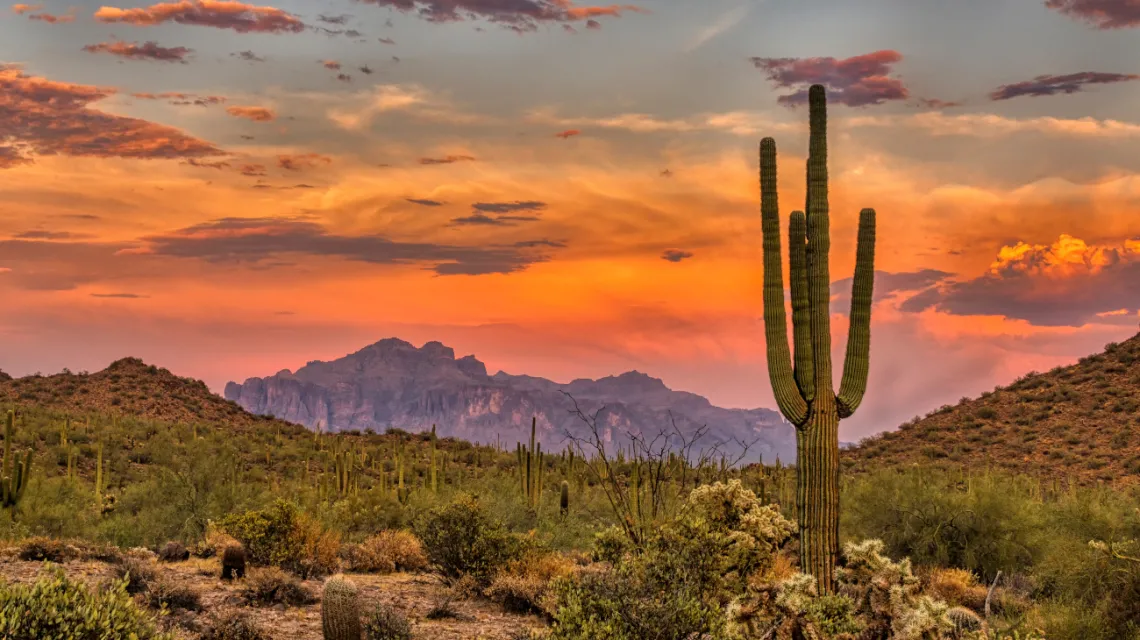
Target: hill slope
(1078,423)
(393,383)
(128,387)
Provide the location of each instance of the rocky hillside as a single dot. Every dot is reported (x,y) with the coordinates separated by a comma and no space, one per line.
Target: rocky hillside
(1079,423)
(127,387)
(394,384)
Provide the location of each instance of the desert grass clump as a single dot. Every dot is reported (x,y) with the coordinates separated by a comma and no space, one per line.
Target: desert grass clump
(386,623)
(137,573)
(41,548)
(237,625)
(233,562)
(340,609)
(172,594)
(388,551)
(56,607)
(271,585)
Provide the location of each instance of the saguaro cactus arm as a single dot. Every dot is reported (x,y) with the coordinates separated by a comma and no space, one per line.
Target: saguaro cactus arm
(857,361)
(819,242)
(788,396)
(801,317)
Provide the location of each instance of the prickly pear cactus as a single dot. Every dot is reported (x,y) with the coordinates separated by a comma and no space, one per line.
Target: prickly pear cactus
(340,610)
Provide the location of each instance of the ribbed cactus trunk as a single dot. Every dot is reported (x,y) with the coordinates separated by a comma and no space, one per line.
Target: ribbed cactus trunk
(803,385)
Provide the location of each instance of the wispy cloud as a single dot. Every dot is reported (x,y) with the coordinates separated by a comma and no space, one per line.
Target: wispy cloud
(726,21)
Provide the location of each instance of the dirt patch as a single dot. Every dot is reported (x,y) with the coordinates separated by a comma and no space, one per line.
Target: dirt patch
(414,595)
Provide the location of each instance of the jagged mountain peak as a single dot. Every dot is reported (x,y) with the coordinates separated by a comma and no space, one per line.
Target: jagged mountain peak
(394,383)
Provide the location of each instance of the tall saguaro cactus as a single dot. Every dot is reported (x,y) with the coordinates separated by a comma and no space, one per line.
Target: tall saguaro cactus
(16,473)
(803,387)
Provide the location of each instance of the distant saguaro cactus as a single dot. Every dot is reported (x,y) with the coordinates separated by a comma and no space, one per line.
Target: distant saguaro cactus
(804,393)
(16,473)
(340,610)
(530,461)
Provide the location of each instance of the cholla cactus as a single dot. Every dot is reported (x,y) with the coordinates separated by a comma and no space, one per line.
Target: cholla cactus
(918,619)
(753,531)
(340,609)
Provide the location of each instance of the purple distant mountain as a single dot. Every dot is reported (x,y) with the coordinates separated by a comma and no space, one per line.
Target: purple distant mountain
(394,384)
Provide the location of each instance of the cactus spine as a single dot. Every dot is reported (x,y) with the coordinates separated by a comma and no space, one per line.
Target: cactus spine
(16,473)
(340,610)
(804,392)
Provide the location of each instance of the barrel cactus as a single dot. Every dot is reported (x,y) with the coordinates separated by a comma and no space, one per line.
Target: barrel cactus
(340,609)
(803,387)
(233,562)
(965,621)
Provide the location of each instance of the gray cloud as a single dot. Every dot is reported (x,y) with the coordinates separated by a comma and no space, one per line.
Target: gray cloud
(255,240)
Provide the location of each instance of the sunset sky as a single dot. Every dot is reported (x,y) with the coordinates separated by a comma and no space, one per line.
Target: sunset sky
(562,189)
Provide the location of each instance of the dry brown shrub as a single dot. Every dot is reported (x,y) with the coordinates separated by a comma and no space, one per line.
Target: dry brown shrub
(388,551)
(214,542)
(524,586)
(956,587)
(320,548)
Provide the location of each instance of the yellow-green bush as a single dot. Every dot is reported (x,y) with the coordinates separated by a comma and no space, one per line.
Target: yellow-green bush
(58,608)
(282,536)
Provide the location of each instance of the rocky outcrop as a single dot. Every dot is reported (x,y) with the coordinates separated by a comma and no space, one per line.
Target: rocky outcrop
(394,384)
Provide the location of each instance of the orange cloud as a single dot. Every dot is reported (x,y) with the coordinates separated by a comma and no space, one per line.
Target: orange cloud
(221,14)
(257,114)
(302,161)
(1067,283)
(21,9)
(567,134)
(55,118)
(146,51)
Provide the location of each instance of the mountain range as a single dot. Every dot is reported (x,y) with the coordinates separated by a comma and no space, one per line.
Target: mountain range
(393,384)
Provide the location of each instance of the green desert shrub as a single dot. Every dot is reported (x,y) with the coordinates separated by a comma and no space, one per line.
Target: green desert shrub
(56,607)
(928,517)
(460,539)
(684,579)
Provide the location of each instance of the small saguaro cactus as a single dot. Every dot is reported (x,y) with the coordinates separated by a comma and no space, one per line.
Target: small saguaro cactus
(340,609)
(804,391)
(530,461)
(564,499)
(16,473)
